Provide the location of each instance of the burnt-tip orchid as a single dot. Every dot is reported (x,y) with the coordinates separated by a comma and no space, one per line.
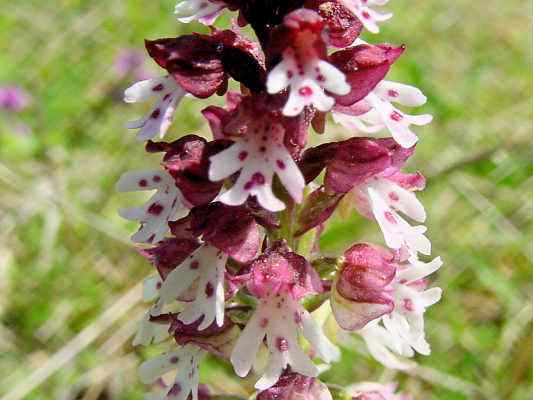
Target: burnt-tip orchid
(233,227)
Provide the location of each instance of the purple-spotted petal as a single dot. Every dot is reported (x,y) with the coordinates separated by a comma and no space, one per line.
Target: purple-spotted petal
(167,204)
(203,11)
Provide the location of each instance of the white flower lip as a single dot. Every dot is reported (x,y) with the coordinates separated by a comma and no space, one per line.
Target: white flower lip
(205,268)
(307,82)
(402,331)
(384,116)
(158,121)
(185,360)
(386,198)
(279,318)
(259,156)
(167,204)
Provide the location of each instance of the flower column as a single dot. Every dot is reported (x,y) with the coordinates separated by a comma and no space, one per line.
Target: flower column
(228,227)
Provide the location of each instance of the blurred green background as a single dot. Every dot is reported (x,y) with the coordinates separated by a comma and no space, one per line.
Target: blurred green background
(69,294)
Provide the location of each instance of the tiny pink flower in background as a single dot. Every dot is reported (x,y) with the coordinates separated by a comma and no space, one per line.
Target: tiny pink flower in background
(13,99)
(130,62)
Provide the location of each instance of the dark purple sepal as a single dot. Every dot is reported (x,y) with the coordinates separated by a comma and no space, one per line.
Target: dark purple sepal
(187,160)
(362,289)
(169,253)
(201,64)
(293,386)
(230,229)
(343,27)
(355,161)
(194,61)
(315,159)
(279,270)
(364,66)
(218,340)
(316,209)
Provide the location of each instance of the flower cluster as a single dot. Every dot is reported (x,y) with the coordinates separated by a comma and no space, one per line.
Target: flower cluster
(13,99)
(233,223)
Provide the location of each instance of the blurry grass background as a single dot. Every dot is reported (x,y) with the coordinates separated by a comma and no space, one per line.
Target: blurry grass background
(68,275)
